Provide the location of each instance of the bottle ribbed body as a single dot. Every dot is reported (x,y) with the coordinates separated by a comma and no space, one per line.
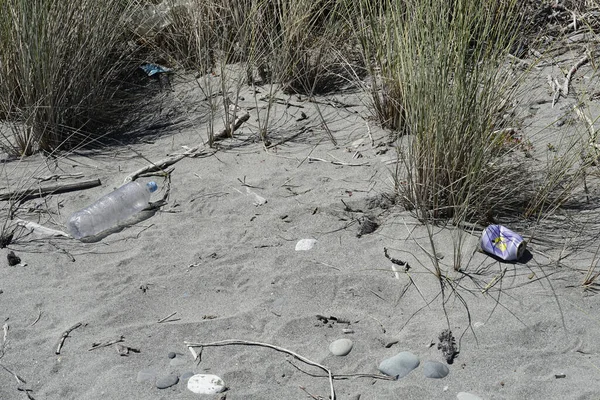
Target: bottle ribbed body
(110,210)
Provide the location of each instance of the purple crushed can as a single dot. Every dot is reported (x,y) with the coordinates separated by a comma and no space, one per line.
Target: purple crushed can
(502,242)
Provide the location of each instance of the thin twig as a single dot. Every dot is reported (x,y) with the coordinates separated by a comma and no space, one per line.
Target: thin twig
(346,376)
(310,394)
(270,346)
(565,87)
(56,177)
(37,319)
(312,159)
(309,153)
(228,131)
(65,335)
(17,377)
(165,162)
(160,321)
(106,344)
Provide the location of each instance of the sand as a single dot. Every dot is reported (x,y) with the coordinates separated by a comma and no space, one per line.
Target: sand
(225,267)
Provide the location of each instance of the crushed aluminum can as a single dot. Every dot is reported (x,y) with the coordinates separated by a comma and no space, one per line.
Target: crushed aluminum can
(502,242)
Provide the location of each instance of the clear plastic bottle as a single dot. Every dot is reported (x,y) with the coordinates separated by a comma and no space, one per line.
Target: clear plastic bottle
(111,209)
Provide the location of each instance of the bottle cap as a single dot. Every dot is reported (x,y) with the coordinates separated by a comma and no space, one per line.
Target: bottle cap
(152,186)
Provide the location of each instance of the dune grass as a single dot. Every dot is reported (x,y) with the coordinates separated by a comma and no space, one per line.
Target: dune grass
(439,79)
(59,70)
(287,46)
(442,81)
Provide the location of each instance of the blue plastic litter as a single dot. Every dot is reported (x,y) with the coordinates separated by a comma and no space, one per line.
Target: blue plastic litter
(153,69)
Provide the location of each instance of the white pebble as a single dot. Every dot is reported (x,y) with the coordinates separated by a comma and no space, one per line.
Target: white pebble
(341,347)
(467,396)
(305,244)
(206,384)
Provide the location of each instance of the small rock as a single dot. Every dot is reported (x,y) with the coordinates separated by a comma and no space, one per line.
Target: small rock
(467,396)
(435,370)
(341,347)
(186,375)
(167,381)
(400,365)
(305,244)
(171,355)
(146,375)
(177,361)
(13,259)
(367,226)
(206,384)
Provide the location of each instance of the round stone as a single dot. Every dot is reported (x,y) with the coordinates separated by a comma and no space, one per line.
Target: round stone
(341,347)
(435,370)
(305,244)
(146,375)
(177,361)
(172,354)
(167,381)
(206,384)
(467,396)
(186,375)
(400,365)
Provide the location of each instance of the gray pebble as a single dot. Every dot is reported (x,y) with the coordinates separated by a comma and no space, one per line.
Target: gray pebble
(341,347)
(186,375)
(167,381)
(172,354)
(146,375)
(177,361)
(400,365)
(435,370)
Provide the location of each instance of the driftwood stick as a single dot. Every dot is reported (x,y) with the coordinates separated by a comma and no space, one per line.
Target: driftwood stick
(162,164)
(106,344)
(65,335)
(32,193)
(160,321)
(228,131)
(565,88)
(270,346)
